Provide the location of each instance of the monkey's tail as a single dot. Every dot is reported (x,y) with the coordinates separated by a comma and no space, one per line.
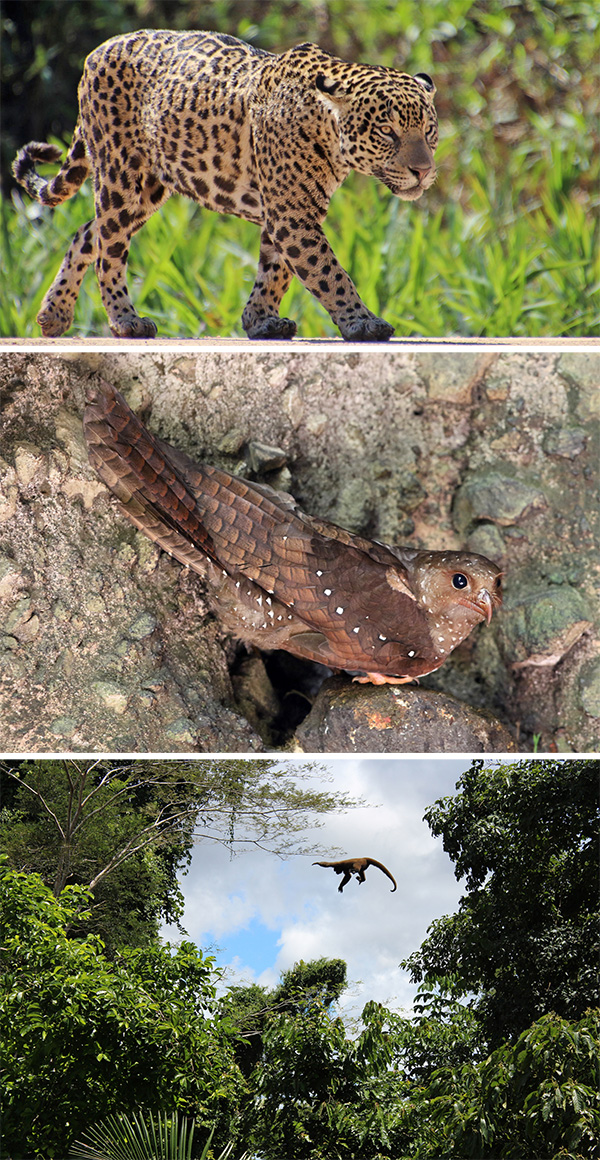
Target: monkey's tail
(385,871)
(67,181)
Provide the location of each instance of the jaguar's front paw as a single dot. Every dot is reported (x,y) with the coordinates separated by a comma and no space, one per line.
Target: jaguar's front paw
(132,326)
(54,322)
(370,329)
(271,327)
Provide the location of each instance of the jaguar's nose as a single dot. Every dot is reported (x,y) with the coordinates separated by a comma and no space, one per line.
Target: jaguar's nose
(423,171)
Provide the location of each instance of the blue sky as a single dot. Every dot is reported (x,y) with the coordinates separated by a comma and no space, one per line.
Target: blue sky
(260,914)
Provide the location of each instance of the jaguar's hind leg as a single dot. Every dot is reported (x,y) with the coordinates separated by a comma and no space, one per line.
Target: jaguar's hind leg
(119,214)
(261,313)
(58,305)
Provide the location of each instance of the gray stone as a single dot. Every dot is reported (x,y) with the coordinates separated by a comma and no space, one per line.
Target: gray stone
(113,695)
(29,460)
(10,578)
(487,539)
(540,626)
(410,491)
(63,726)
(142,626)
(589,684)
(182,730)
(232,441)
(262,458)
(495,495)
(568,442)
(349,718)
(580,369)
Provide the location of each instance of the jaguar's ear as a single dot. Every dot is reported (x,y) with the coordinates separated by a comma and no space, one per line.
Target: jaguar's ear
(331,92)
(426,81)
(326,84)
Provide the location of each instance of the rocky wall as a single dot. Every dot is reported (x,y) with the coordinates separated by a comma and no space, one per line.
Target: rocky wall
(106,644)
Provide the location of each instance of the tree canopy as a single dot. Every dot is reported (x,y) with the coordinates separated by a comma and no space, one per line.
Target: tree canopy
(524,836)
(125,829)
(84,1036)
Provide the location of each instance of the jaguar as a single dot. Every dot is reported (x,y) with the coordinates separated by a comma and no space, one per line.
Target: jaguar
(262,136)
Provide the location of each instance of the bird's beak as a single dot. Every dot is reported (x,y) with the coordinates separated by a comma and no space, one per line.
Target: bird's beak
(484,604)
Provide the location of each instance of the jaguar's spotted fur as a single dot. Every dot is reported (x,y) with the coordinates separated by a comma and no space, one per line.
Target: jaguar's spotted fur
(242,131)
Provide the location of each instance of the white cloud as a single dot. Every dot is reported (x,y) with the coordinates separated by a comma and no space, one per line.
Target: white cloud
(297,907)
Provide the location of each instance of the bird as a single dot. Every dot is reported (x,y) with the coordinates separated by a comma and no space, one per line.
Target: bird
(358,866)
(280,578)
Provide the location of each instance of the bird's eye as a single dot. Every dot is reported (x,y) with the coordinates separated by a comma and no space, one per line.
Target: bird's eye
(498,581)
(459,580)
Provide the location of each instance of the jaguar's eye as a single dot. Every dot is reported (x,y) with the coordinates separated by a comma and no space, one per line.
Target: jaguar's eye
(459,580)
(386,130)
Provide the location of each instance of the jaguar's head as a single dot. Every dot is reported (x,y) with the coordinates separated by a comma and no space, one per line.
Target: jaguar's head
(386,124)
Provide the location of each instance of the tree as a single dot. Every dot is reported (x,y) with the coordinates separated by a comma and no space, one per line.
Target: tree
(318,1095)
(525,938)
(538,1097)
(85,1037)
(125,828)
(249,1008)
(442,1032)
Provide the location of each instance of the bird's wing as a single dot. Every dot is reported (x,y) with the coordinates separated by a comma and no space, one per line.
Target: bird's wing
(334,581)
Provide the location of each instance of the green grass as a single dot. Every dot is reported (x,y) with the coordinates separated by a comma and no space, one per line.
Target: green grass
(483,266)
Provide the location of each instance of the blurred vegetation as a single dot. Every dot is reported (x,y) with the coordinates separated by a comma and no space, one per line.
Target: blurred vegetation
(505,243)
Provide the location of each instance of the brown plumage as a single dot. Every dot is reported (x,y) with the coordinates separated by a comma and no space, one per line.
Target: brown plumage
(281,578)
(358,866)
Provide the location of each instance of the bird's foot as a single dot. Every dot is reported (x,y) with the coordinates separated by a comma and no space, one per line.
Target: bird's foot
(381,679)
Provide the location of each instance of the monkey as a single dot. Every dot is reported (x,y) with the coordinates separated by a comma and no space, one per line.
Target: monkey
(350,866)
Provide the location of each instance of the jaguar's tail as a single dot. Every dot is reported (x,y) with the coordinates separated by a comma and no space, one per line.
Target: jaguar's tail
(69,178)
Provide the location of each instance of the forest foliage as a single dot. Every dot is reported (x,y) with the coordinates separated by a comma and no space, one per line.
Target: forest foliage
(505,243)
(126,829)
(95,1034)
